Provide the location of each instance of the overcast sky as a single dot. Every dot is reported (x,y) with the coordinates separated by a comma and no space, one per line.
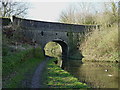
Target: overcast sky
(46,11)
(50,11)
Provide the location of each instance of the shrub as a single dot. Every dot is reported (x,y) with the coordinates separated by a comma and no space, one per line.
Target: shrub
(101,45)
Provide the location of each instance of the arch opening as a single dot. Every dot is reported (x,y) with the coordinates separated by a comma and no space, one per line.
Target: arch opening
(56,48)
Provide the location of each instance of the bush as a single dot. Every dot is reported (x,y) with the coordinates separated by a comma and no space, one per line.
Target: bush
(101,45)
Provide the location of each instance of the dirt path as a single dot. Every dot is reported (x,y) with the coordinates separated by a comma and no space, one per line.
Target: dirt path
(37,77)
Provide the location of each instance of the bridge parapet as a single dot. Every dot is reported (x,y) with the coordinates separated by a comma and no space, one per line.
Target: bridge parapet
(50,26)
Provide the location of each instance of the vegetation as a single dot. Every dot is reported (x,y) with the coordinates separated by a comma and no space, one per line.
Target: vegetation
(99,44)
(58,78)
(19,57)
(10,7)
(15,65)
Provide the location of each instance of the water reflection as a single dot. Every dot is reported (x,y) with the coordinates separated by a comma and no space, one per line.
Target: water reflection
(95,74)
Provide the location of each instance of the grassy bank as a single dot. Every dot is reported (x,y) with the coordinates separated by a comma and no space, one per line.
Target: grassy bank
(101,45)
(17,64)
(58,78)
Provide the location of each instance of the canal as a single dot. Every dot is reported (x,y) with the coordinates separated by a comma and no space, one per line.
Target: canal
(94,74)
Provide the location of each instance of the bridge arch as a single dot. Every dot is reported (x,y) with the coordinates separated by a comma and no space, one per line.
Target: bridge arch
(42,32)
(64,46)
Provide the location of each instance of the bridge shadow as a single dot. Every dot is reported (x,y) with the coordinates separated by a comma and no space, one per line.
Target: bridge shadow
(75,58)
(77,55)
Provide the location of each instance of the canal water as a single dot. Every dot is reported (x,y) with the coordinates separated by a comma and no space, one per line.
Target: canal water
(94,74)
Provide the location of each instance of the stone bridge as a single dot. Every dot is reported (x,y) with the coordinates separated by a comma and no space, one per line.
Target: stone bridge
(43,32)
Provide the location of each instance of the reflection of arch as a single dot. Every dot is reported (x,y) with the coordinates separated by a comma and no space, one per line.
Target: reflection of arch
(64,46)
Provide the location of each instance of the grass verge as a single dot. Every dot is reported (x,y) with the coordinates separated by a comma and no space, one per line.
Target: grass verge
(58,78)
(15,66)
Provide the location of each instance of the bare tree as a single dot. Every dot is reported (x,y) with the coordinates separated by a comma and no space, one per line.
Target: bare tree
(110,14)
(9,8)
(84,7)
(85,13)
(68,16)
(80,15)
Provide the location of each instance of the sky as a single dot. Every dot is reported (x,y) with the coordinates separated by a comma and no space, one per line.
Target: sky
(51,10)
(46,11)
